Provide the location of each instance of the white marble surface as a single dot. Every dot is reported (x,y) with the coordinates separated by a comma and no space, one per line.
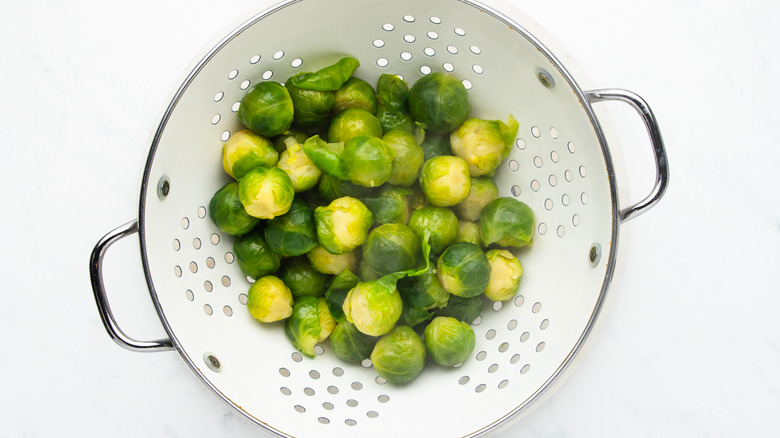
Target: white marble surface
(690,345)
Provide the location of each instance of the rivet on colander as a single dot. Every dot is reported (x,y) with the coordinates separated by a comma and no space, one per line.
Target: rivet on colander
(545,78)
(594,255)
(212,362)
(163,187)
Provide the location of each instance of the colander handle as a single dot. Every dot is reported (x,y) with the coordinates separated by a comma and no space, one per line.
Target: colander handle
(96,275)
(659,153)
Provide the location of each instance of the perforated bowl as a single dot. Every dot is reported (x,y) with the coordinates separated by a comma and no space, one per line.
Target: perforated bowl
(559,164)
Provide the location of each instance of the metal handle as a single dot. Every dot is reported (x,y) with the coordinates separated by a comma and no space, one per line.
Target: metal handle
(96,275)
(662,167)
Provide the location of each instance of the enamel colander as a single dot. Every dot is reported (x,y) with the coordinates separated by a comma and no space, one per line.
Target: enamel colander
(560,165)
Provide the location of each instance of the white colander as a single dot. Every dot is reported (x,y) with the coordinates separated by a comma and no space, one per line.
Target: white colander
(560,165)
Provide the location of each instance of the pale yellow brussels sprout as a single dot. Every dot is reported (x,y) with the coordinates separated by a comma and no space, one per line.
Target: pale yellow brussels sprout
(343,224)
(469,232)
(269,299)
(483,143)
(373,307)
(327,322)
(445,180)
(301,170)
(505,275)
(483,190)
(246,150)
(326,262)
(266,192)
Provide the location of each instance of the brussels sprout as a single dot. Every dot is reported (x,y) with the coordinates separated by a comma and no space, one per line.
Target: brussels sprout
(368,160)
(505,274)
(343,225)
(355,93)
(302,279)
(449,341)
(439,102)
(245,150)
(331,188)
(301,170)
(254,256)
(483,190)
(266,109)
(507,222)
(390,121)
(327,321)
(463,270)
(303,326)
(435,144)
(227,212)
(392,204)
(326,262)
(469,232)
(392,97)
(329,78)
(407,157)
(280,141)
(350,344)
(484,143)
(391,248)
(399,356)
(445,180)
(337,293)
(440,222)
(269,300)
(266,192)
(311,107)
(373,306)
(292,233)
(325,158)
(423,291)
(353,122)
(465,309)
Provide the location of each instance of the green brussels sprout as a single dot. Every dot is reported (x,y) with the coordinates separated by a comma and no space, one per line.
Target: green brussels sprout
(399,356)
(391,248)
(266,109)
(439,102)
(465,309)
(227,212)
(266,192)
(373,306)
(331,188)
(507,222)
(469,232)
(280,141)
(484,144)
(326,157)
(463,270)
(326,262)
(327,321)
(311,107)
(269,299)
(392,97)
(423,291)
(292,233)
(392,204)
(245,150)
(337,293)
(303,326)
(254,256)
(449,341)
(483,190)
(440,222)
(368,160)
(329,78)
(350,344)
(303,281)
(505,274)
(355,93)
(434,145)
(391,121)
(342,225)
(353,122)
(407,158)
(303,174)
(445,180)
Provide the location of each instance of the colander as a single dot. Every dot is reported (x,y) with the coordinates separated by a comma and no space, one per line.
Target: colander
(560,164)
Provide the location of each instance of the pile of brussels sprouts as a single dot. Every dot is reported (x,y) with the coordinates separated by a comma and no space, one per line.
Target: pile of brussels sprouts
(369,216)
